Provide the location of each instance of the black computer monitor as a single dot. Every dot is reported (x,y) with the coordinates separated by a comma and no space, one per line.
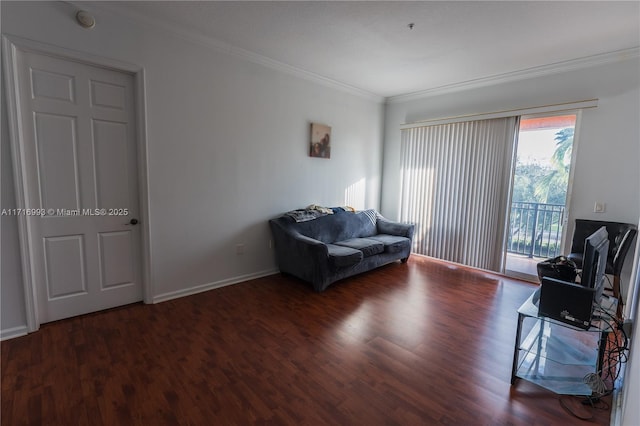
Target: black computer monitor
(594,261)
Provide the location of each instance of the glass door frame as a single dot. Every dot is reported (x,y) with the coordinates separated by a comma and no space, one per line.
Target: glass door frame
(565,241)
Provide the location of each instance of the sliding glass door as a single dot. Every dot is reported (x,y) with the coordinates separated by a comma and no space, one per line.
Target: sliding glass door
(540,188)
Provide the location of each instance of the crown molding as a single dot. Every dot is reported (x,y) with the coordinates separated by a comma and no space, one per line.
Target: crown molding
(223,47)
(539,71)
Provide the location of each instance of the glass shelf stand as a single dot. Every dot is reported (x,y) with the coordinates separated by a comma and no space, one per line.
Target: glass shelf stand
(556,355)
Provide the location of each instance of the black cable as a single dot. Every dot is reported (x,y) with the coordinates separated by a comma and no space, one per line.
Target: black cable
(568,409)
(615,353)
(609,279)
(597,402)
(614,356)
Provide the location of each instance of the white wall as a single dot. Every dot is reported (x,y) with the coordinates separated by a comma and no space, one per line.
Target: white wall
(12,308)
(227,149)
(630,395)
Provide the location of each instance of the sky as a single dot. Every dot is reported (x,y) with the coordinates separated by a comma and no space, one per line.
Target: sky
(536,146)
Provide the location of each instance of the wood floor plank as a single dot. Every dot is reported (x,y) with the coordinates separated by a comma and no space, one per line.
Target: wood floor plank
(422,343)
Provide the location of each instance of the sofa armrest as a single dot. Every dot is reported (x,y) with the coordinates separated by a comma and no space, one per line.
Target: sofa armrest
(300,256)
(386,226)
(295,244)
(305,245)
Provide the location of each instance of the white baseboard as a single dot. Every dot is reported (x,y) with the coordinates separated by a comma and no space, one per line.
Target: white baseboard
(10,333)
(211,286)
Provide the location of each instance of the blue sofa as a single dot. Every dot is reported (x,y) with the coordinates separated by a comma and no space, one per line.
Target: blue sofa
(329,248)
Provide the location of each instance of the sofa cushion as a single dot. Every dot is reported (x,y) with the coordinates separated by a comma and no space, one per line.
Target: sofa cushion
(341,257)
(392,243)
(367,246)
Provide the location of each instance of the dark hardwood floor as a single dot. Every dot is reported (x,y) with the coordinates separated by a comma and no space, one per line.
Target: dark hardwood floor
(422,343)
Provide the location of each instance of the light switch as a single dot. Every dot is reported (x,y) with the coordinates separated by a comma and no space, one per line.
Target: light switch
(599,207)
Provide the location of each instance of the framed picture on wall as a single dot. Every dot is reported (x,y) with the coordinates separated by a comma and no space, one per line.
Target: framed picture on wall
(320,145)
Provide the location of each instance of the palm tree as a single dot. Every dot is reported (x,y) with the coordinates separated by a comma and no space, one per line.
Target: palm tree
(552,188)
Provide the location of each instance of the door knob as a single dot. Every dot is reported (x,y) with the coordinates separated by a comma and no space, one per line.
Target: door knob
(133,221)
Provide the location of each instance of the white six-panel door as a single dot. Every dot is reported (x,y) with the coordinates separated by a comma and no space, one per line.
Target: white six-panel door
(80,166)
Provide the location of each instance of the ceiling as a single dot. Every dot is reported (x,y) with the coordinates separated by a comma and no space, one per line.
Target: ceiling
(369,45)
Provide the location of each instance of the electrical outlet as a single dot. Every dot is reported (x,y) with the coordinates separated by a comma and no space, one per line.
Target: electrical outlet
(599,207)
(627,326)
(239,248)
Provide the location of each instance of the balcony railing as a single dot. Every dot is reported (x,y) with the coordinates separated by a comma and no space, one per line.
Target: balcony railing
(535,229)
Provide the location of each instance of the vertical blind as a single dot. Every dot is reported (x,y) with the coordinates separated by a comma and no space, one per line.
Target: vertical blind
(455,188)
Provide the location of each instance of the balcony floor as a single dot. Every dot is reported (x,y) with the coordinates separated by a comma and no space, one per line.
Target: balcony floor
(522,266)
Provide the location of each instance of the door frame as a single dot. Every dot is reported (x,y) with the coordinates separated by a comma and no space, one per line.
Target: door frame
(13,48)
(565,238)
(568,225)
